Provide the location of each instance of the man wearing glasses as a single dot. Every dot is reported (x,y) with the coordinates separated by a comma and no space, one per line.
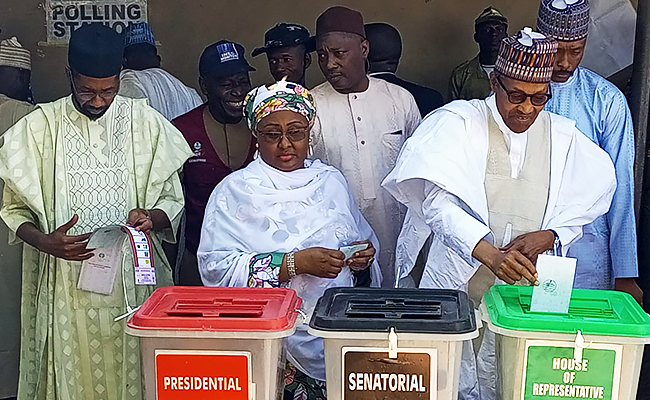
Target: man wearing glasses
(498,182)
(83,162)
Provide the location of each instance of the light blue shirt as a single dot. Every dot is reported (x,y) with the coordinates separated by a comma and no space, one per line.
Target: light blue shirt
(607,249)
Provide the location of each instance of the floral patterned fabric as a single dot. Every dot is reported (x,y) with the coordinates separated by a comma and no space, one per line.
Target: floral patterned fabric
(280,96)
(265,269)
(299,386)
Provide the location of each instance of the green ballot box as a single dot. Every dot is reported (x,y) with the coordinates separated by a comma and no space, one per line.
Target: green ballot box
(592,352)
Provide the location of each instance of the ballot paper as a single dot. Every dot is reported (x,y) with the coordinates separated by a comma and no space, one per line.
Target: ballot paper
(98,273)
(350,250)
(555,284)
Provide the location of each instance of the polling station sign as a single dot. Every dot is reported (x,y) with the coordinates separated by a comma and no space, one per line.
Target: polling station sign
(64,16)
(553,371)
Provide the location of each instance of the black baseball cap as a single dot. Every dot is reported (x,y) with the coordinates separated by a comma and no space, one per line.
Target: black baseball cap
(286,35)
(222,59)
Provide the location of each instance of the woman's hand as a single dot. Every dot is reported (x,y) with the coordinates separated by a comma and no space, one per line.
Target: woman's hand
(319,261)
(362,259)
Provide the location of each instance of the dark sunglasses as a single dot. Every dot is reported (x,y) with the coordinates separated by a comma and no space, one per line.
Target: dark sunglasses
(518,97)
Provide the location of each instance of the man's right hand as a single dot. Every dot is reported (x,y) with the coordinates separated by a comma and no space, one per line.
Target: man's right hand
(319,261)
(508,266)
(512,266)
(61,245)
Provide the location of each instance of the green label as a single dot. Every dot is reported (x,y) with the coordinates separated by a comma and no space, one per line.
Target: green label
(552,372)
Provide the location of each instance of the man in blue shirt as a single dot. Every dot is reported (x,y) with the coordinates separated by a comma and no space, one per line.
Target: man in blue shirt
(606,253)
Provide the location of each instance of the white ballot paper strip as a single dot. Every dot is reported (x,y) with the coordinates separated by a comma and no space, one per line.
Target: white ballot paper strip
(98,273)
(555,284)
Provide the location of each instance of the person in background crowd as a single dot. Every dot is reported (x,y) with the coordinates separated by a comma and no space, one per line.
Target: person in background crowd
(361,125)
(15,67)
(606,253)
(471,79)
(287,48)
(281,220)
(15,74)
(142,76)
(542,178)
(385,53)
(219,136)
(69,168)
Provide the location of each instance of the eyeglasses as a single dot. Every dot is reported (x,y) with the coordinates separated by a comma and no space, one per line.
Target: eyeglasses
(106,95)
(518,97)
(293,135)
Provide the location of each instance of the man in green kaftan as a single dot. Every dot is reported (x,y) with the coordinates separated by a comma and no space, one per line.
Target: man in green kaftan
(72,166)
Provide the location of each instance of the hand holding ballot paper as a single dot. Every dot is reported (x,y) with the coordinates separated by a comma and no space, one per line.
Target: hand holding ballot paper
(98,273)
(365,255)
(552,291)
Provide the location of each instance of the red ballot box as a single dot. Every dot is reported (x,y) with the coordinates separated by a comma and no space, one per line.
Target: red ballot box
(208,343)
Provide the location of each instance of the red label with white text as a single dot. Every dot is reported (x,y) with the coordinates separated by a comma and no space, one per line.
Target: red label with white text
(202,375)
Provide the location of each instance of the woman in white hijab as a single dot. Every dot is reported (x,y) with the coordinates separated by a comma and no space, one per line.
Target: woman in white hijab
(280,222)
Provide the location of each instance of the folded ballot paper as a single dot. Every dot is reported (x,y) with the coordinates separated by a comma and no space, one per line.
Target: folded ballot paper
(555,275)
(98,273)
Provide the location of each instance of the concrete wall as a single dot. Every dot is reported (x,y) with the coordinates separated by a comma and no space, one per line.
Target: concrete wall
(437,33)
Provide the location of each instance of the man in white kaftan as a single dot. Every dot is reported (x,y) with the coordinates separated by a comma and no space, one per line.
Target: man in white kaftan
(164,92)
(142,77)
(94,162)
(474,171)
(361,125)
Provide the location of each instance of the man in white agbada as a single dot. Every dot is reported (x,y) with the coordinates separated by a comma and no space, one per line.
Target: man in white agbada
(281,220)
(476,170)
(142,77)
(361,125)
(70,167)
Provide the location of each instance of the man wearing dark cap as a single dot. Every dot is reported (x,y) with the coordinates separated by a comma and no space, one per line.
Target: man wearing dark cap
(143,78)
(497,182)
(385,53)
(219,137)
(70,167)
(287,48)
(361,123)
(471,79)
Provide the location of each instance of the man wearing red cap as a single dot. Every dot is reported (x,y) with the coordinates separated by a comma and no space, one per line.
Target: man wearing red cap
(361,124)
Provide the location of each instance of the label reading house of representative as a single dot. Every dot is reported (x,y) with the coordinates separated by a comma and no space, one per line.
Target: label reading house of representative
(369,374)
(553,372)
(202,375)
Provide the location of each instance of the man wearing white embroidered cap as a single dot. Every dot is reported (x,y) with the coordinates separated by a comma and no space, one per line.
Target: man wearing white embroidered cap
(476,172)
(15,92)
(602,114)
(15,86)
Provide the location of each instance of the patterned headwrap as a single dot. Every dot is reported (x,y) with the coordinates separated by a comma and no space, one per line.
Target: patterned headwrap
(12,54)
(527,56)
(566,20)
(282,95)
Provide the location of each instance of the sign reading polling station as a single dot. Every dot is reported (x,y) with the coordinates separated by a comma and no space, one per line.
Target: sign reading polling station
(65,16)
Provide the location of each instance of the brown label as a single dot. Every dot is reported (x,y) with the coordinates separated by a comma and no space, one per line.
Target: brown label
(375,376)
